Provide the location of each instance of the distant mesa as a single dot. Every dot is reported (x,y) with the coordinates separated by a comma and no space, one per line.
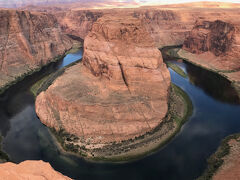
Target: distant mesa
(215,45)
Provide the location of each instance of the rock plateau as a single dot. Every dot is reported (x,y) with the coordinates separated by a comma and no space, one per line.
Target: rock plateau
(119,91)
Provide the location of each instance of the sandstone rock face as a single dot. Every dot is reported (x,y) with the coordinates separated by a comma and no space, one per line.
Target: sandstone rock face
(118,92)
(166,27)
(35,170)
(216,37)
(215,45)
(230,168)
(28,41)
(78,23)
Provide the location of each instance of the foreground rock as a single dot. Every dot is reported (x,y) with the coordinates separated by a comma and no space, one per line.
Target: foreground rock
(215,45)
(29,170)
(27,42)
(119,92)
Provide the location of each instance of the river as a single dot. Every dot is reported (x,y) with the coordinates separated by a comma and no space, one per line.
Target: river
(215,116)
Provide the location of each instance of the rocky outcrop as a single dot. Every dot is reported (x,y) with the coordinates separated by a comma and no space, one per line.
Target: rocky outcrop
(118,92)
(216,37)
(167,27)
(29,170)
(78,23)
(225,162)
(215,45)
(27,42)
(231,161)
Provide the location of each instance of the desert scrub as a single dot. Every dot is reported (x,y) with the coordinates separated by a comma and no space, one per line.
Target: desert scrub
(136,147)
(175,118)
(216,160)
(68,141)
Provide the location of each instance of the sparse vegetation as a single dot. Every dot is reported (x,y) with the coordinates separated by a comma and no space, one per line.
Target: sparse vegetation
(176,68)
(216,160)
(174,120)
(119,151)
(34,89)
(46,81)
(30,72)
(68,141)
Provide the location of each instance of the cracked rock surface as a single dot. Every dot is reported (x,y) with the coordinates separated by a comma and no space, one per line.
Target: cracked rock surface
(27,42)
(118,92)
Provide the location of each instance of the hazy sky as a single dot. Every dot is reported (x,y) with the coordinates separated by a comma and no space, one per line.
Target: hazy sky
(13,3)
(179,1)
(138,1)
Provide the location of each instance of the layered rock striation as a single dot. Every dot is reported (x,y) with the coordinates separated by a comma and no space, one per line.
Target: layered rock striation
(27,42)
(119,91)
(78,23)
(216,37)
(166,27)
(215,45)
(29,170)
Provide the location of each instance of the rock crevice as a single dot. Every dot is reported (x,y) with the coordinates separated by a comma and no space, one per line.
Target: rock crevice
(118,92)
(27,42)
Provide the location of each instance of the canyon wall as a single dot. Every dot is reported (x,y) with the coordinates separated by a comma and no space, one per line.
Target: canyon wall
(78,23)
(118,92)
(168,26)
(165,26)
(27,42)
(29,170)
(215,45)
(216,37)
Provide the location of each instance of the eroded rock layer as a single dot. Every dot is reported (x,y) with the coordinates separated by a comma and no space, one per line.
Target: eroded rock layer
(78,23)
(118,92)
(28,41)
(168,26)
(29,170)
(215,45)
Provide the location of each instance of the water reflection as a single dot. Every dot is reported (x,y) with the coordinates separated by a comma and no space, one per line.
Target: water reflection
(18,121)
(213,84)
(214,117)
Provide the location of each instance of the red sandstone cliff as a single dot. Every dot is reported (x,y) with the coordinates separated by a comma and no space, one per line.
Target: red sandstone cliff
(216,37)
(78,23)
(34,170)
(167,27)
(119,92)
(28,41)
(215,45)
